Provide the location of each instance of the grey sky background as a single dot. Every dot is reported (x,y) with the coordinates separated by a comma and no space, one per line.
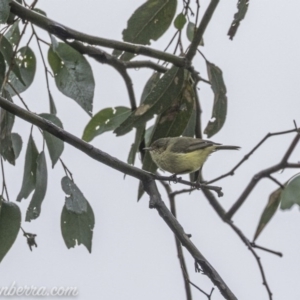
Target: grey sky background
(133,253)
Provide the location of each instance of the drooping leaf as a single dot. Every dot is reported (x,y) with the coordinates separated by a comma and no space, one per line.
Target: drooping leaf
(73,75)
(269,211)
(29,177)
(34,208)
(149,22)
(13,34)
(190,33)
(291,193)
(26,61)
(75,200)
(2,69)
(191,125)
(53,110)
(6,119)
(160,98)
(220,100)
(10,222)
(106,119)
(4,11)
(55,146)
(77,217)
(7,50)
(16,144)
(238,17)
(180,21)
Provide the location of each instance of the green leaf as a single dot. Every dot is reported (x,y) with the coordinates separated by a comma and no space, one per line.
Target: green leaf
(75,200)
(268,212)
(10,223)
(150,85)
(4,11)
(73,75)
(77,217)
(238,17)
(34,208)
(55,146)
(191,126)
(180,21)
(291,193)
(106,119)
(13,34)
(53,110)
(6,119)
(7,50)
(190,32)
(29,177)
(139,134)
(26,62)
(160,98)
(2,69)
(149,22)
(16,144)
(220,100)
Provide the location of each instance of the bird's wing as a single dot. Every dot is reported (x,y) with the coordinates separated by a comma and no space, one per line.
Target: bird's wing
(191,145)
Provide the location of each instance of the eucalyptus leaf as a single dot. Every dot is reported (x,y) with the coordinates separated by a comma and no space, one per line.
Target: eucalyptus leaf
(73,75)
(34,208)
(268,212)
(29,177)
(291,193)
(106,119)
(10,223)
(4,11)
(26,61)
(77,228)
(13,34)
(215,76)
(238,17)
(55,146)
(180,21)
(149,22)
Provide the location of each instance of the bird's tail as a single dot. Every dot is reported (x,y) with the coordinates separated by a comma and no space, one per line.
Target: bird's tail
(223,147)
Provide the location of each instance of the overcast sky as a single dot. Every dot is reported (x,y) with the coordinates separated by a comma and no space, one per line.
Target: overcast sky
(133,253)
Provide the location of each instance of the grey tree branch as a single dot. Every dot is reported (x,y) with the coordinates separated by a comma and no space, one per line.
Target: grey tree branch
(148,180)
(64,32)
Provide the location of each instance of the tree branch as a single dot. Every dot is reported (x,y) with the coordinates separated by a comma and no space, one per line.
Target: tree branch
(64,32)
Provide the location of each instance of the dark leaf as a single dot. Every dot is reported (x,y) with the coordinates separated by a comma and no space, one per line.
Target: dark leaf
(180,21)
(150,85)
(149,22)
(73,75)
(2,68)
(16,144)
(268,212)
(6,119)
(13,34)
(220,100)
(53,110)
(75,200)
(34,208)
(7,50)
(77,228)
(26,63)
(291,193)
(55,146)
(4,11)
(10,222)
(106,119)
(238,17)
(191,126)
(29,177)
(10,147)
(160,98)
(190,32)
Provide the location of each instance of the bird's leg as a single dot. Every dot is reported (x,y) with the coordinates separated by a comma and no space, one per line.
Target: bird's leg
(174,178)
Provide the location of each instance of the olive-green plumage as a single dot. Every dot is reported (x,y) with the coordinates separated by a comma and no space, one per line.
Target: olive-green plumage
(182,155)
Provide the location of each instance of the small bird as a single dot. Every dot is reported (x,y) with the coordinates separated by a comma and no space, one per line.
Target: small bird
(183,155)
